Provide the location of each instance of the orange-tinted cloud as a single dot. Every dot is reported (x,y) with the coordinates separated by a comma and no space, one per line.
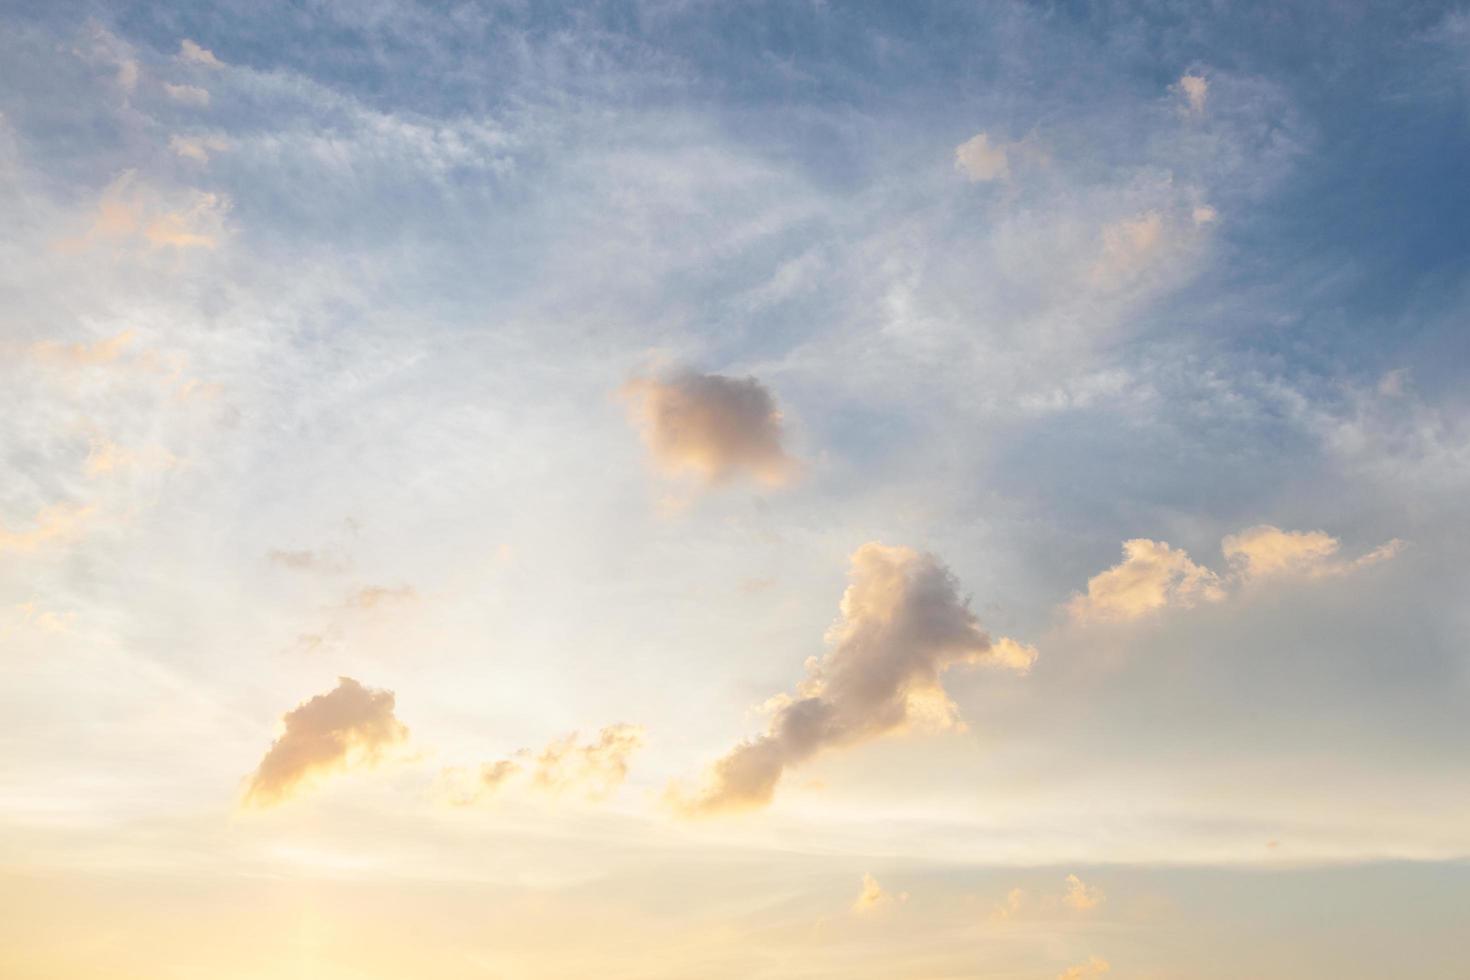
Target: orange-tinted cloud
(903,624)
(1153,576)
(128,210)
(872,897)
(56,523)
(1095,966)
(592,769)
(349,726)
(711,427)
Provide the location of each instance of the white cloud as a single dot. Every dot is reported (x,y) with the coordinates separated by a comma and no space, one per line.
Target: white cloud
(981,160)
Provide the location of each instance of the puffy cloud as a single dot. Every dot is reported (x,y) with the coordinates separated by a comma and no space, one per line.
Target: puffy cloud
(711,426)
(193,53)
(1195,89)
(1265,551)
(981,160)
(593,769)
(349,726)
(1151,575)
(902,625)
(872,897)
(58,522)
(1095,966)
(190,95)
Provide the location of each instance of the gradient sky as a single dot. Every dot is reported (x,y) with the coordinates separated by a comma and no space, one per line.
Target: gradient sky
(726,490)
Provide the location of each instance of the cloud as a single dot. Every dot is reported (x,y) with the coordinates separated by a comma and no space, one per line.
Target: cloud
(1151,575)
(197,148)
(350,726)
(193,53)
(711,426)
(190,95)
(1195,89)
(305,560)
(902,625)
(104,351)
(127,209)
(373,596)
(1080,896)
(1265,551)
(1095,966)
(58,522)
(1129,246)
(1204,214)
(981,160)
(872,897)
(593,769)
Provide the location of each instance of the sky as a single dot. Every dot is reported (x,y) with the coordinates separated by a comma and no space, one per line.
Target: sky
(680,489)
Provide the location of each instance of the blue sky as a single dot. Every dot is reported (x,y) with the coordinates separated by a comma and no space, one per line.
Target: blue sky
(619,369)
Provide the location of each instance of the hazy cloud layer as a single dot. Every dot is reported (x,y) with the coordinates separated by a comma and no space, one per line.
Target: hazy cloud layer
(710,426)
(903,623)
(349,726)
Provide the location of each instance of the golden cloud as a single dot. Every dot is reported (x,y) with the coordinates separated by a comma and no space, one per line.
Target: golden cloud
(350,726)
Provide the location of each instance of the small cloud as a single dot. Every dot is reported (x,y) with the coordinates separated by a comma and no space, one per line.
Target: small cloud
(127,210)
(32,616)
(1129,246)
(57,523)
(1080,896)
(1095,966)
(197,148)
(127,75)
(1153,576)
(192,53)
(903,623)
(1204,214)
(592,769)
(306,560)
(1150,577)
(711,426)
(872,897)
(104,351)
(980,160)
(1393,383)
(1265,551)
(1194,89)
(373,596)
(1077,897)
(350,726)
(105,457)
(190,95)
